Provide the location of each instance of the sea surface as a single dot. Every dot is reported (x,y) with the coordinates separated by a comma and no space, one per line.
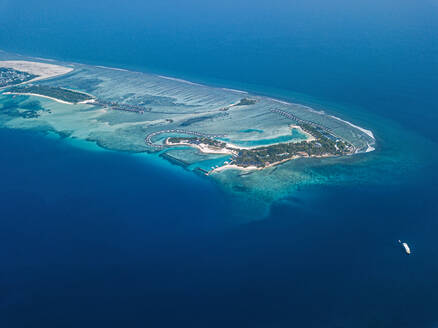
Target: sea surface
(96,238)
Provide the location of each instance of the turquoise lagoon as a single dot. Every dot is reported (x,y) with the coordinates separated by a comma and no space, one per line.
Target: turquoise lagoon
(97,230)
(174,103)
(295,136)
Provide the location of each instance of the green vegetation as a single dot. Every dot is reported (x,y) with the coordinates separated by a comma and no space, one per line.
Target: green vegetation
(197,141)
(246,101)
(264,156)
(54,92)
(242,102)
(325,144)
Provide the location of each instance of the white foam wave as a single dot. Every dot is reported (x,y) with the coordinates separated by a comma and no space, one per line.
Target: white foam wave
(367,132)
(234,90)
(370,148)
(280,101)
(46,59)
(310,109)
(179,80)
(113,68)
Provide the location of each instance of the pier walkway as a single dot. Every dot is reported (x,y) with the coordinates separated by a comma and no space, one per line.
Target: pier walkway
(122,107)
(298,120)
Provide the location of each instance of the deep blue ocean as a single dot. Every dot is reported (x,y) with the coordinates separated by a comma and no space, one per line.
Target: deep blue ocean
(107,239)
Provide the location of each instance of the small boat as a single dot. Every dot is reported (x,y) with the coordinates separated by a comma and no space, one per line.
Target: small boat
(406,247)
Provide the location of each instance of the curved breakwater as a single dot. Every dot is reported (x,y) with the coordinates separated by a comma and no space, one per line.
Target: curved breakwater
(149,142)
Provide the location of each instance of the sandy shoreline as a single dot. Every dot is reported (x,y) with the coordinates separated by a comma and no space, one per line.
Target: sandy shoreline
(43,70)
(207,150)
(37,95)
(256,168)
(251,167)
(202,147)
(90,101)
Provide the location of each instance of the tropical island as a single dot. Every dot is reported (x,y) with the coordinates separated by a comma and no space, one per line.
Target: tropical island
(55,93)
(241,102)
(318,144)
(203,128)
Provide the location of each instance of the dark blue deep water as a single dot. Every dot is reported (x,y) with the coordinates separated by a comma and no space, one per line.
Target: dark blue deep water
(106,239)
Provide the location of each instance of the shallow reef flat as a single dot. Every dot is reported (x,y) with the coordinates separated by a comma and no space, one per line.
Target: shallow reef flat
(128,106)
(167,103)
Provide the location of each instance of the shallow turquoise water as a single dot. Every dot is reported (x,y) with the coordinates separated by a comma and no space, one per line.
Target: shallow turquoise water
(295,135)
(114,239)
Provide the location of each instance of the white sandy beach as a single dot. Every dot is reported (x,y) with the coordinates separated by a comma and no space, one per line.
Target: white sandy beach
(203,148)
(251,167)
(233,167)
(89,101)
(37,95)
(43,70)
